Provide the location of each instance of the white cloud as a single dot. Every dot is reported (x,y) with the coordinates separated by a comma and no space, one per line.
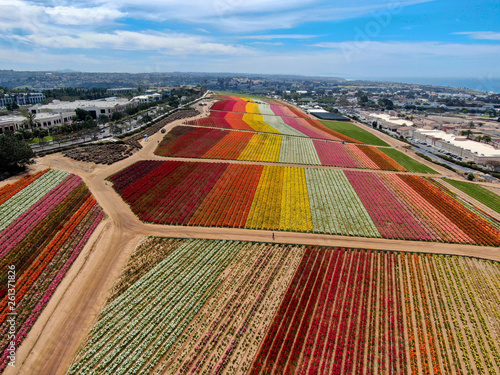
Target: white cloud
(24,15)
(481,35)
(82,16)
(372,49)
(378,60)
(279,36)
(269,43)
(135,41)
(238,16)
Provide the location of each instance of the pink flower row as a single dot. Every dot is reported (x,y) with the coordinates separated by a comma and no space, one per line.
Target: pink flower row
(390,216)
(17,230)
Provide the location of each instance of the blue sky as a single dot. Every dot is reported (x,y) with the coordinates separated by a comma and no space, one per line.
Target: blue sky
(358,39)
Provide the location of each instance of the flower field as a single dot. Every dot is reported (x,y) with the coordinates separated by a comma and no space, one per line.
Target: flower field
(267,117)
(228,103)
(207,143)
(210,299)
(355,203)
(45,221)
(232,307)
(356,311)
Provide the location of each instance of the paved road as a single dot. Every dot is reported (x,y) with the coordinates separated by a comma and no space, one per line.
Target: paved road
(428,152)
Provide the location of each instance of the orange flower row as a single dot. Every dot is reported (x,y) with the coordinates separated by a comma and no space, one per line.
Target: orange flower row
(8,191)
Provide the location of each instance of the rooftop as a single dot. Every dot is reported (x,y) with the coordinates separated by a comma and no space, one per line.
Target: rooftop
(481,149)
(57,105)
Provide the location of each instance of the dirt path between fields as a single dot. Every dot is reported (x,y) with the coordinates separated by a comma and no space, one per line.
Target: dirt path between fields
(470,199)
(56,335)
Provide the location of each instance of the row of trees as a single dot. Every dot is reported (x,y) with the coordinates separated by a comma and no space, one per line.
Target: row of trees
(75,93)
(481,138)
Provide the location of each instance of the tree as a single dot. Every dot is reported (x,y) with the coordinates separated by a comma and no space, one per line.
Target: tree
(81,114)
(491,112)
(115,128)
(487,139)
(60,138)
(36,133)
(102,119)
(470,177)
(30,121)
(14,153)
(94,132)
(24,134)
(131,111)
(42,134)
(386,103)
(478,138)
(116,116)
(145,119)
(494,165)
(12,106)
(467,133)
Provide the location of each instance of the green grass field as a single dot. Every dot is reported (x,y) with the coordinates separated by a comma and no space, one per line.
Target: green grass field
(409,163)
(478,192)
(354,131)
(37,140)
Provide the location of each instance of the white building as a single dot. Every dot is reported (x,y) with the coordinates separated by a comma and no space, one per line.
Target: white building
(96,108)
(479,153)
(42,120)
(142,99)
(22,99)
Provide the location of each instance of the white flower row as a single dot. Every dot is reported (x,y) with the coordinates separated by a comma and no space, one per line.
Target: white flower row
(175,292)
(278,123)
(26,198)
(298,151)
(335,206)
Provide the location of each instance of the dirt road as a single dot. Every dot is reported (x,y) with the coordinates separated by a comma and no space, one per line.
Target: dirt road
(55,337)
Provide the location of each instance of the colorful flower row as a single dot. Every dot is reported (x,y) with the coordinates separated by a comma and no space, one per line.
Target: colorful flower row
(54,216)
(356,203)
(267,117)
(206,143)
(234,307)
(137,329)
(349,311)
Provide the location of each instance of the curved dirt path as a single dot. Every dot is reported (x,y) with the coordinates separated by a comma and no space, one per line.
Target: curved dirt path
(56,335)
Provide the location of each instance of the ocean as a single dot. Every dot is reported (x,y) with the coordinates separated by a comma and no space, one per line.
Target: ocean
(487,84)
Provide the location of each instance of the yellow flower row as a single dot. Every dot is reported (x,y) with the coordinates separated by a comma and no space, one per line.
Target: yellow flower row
(295,208)
(262,147)
(258,124)
(252,108)
(266,206)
